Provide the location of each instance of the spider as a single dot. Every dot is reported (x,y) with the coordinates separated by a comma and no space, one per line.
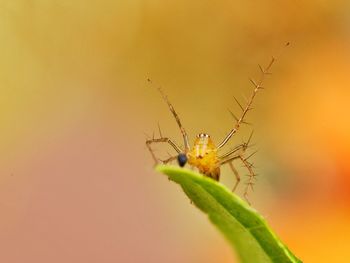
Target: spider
(204,155)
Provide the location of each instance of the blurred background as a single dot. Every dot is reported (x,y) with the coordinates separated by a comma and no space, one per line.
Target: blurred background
(76,180)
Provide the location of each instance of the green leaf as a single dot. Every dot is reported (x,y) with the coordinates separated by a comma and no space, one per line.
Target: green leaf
(245,229)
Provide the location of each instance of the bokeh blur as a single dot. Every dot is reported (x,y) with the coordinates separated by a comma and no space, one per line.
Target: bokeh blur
(76,180)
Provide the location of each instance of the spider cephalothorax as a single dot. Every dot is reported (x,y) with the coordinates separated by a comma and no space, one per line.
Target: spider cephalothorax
(204,155)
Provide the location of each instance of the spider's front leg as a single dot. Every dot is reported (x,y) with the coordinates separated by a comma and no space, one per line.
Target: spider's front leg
(177,118)
(257,87)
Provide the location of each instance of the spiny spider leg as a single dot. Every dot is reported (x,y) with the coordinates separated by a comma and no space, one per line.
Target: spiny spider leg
(257,87)
(244,146)
(229,159)
(234,150)
(176,116)
(166,140)
(251,175)
(238,178)
(170,159)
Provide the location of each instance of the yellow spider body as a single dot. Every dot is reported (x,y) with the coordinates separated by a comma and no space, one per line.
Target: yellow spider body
(204,156)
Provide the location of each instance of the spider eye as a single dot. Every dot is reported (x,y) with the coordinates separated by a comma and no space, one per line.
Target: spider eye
(182,159)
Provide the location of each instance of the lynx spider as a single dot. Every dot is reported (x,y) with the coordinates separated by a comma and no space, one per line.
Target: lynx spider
(204,154)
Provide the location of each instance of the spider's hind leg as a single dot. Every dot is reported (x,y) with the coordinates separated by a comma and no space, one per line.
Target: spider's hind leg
(163,140)
(252,176)
(168,160)
(248,166)
(238,178)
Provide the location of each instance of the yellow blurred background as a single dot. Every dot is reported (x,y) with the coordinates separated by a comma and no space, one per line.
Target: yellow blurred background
(76,180)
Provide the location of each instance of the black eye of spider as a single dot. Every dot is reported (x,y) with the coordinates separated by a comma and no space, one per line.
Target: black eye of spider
(182,159)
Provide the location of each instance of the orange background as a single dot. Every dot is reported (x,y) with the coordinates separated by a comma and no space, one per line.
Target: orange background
(76,181)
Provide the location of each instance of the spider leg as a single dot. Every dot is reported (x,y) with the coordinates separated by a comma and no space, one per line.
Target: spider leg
(177,118)
(244,146)
(230,162)
(251,175)
(170,159)
(232,151)
(247,165)
(238,178)
(257,87)
(161,140)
